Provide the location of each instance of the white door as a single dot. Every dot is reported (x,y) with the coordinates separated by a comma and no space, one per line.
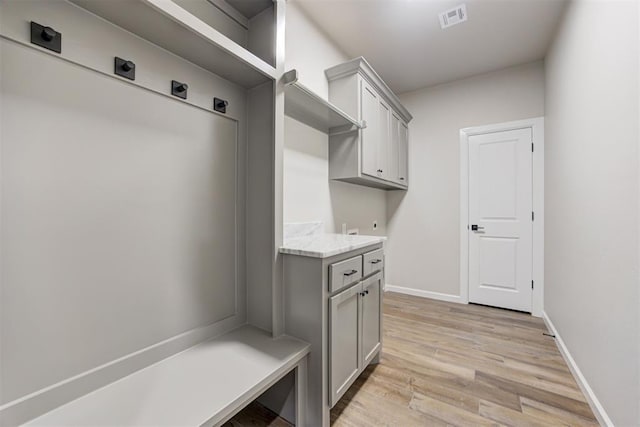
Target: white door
(500,219)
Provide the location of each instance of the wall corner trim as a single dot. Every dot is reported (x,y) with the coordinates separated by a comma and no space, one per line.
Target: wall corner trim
(597,408)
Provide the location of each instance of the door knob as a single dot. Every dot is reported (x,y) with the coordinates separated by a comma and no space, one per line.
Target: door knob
(475,227)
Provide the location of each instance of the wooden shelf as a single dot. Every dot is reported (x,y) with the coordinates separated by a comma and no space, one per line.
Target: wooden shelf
(164,23)
(302,104)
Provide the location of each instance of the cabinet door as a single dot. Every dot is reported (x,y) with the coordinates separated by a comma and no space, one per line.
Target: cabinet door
(384,140)
(370,135)
(371,322)
(344,342)
(403,154)
(393,150)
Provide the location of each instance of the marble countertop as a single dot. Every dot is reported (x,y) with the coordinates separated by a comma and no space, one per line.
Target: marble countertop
(326,245)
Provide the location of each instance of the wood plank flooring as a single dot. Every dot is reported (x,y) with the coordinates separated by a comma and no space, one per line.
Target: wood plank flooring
(446,364)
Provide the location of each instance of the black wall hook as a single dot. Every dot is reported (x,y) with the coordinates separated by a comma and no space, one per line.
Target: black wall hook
(179,89)
(220,105)
(124,68)
(46,37)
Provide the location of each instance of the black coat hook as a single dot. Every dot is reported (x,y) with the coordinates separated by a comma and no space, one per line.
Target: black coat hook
(46,37)
(125,68)
(220,105)
(179,89)
(48,34)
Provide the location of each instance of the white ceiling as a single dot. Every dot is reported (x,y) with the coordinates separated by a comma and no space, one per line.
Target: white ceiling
(403,41)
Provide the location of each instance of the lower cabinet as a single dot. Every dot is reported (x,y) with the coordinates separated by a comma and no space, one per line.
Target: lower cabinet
(334,304)
(344,345)
(354,333)
(370,304)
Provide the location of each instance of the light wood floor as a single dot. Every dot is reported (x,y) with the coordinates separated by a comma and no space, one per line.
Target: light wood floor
(446,364)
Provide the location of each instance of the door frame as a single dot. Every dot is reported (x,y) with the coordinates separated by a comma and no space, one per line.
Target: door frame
(537,130)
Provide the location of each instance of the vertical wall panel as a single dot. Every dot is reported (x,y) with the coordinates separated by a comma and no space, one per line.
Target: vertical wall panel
(118,219)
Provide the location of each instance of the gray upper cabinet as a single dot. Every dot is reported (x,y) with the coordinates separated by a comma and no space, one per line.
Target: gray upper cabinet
(393,150)
(403,153)
(370,135)
(384,118)
(376,156)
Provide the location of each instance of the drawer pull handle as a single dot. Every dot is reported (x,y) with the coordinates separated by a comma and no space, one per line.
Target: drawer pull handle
(376,261)
(351,273)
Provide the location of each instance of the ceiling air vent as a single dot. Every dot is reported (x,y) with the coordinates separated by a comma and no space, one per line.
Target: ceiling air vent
(453,16)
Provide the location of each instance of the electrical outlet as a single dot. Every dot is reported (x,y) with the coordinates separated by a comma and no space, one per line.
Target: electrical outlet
(375,225)
(344,228)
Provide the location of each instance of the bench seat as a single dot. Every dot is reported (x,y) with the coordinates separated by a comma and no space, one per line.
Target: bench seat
(204,385)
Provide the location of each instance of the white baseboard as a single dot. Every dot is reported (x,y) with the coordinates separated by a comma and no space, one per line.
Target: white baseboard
(594,403)
(424,294)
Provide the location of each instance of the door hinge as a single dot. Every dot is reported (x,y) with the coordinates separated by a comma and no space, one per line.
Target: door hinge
(532,147)
(533,216)
(532,284)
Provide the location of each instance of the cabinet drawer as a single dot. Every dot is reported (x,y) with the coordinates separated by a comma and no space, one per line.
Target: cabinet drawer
(344,273)
(373,261)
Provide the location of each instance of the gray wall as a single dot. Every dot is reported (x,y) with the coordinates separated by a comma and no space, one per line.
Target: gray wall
(120,209)
(423,252)
(309,195)
(591,200)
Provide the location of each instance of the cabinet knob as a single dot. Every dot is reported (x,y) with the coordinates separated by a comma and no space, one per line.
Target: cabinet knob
(401,178)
